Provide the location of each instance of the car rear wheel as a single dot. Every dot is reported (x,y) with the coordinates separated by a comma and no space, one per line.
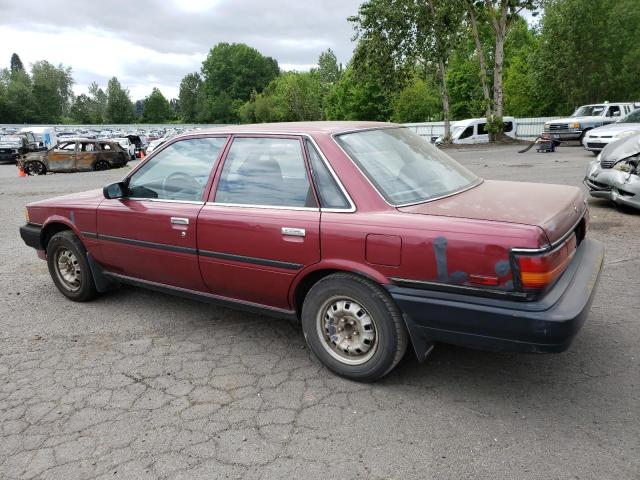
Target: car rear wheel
(34,168)
(353,326)
(101,165)
(69,268)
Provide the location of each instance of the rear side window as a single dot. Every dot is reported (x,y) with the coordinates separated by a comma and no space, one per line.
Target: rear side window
(328,189)
(265,172)
(482,129)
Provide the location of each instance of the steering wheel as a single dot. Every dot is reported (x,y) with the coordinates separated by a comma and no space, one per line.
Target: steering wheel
(180,182)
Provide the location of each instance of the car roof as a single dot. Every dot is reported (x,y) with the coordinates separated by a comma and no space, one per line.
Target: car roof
(293,128)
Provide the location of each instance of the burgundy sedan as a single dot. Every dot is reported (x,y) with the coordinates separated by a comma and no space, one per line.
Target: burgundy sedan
(368,234)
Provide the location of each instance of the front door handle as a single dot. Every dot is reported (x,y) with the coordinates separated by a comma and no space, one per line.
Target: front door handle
(293,232)
(179,221)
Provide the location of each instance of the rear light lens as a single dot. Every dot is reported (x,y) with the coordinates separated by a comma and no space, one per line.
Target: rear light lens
(538,272)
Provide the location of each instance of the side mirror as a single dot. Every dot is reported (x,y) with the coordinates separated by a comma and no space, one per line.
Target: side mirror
(115,190)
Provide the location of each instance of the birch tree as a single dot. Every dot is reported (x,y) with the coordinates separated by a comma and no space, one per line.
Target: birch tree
(417,32)
(500,14)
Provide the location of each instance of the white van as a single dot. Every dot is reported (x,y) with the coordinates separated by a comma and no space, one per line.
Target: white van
(474,130)
(45,135)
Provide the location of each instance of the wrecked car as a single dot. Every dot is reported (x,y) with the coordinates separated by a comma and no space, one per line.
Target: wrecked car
(615,174)
(365,232)
(76,155)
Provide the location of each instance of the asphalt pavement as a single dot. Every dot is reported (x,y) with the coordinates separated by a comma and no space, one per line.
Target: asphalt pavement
(137,384)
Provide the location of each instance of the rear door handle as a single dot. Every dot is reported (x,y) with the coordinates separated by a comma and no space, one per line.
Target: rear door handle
(179,221)
(293,232)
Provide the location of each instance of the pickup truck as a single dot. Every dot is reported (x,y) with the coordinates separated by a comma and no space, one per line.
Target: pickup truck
(586,118)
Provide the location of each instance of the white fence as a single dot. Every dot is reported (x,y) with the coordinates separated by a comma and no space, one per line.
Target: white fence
(526,128)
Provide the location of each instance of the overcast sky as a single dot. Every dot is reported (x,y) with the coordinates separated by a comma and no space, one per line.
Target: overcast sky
(154,43)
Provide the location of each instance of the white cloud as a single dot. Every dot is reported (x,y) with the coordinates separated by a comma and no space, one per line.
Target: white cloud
(154,43)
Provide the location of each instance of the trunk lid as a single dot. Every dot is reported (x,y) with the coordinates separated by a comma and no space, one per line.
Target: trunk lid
(553,208)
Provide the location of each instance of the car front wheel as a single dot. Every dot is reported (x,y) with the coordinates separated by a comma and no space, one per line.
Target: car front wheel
(69,268)
(353,326)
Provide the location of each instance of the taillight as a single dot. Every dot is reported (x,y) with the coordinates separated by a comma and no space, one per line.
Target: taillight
(538,272)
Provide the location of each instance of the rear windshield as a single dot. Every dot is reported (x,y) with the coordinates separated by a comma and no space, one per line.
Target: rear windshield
(403,166)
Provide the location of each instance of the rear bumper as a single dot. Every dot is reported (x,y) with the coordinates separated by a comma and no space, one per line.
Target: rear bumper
(545,325)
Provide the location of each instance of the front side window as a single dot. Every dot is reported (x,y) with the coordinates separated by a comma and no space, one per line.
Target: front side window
(265,172)
(614,111)
(404,167)
(179,172)
(468,132)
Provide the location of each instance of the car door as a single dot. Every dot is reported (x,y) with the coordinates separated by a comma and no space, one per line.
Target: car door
(152,233)
(63,157)
(86,155)
(261,224)
(482,135)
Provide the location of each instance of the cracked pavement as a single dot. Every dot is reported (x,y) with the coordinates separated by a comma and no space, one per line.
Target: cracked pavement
(140,385)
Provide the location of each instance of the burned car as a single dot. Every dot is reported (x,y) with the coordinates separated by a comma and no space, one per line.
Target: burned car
(615,174)
(76,155)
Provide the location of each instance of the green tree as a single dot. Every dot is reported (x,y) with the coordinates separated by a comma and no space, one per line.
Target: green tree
(501,15)
(99,104)
(119,106)
(329,70)
(236,70)
(17,104)
(189,90)
(82,110)
(359,95)
(297,97)
(16,63)
(52,91)
(586,54)
(156,108)
(422,32)
(419,101)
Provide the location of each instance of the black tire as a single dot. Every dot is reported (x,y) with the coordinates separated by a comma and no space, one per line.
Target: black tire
(67,244)
(34,167)
(101,165)
(391,338)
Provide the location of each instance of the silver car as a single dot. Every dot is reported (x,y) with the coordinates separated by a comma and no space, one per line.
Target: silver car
(598,138)
(615,174)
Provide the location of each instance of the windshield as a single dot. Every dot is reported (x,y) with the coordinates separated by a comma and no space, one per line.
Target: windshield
(404,167)
(590,111)
(456,130)
(633,117)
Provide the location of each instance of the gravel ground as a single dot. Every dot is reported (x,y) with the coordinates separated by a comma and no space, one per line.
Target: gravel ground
(141,385)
